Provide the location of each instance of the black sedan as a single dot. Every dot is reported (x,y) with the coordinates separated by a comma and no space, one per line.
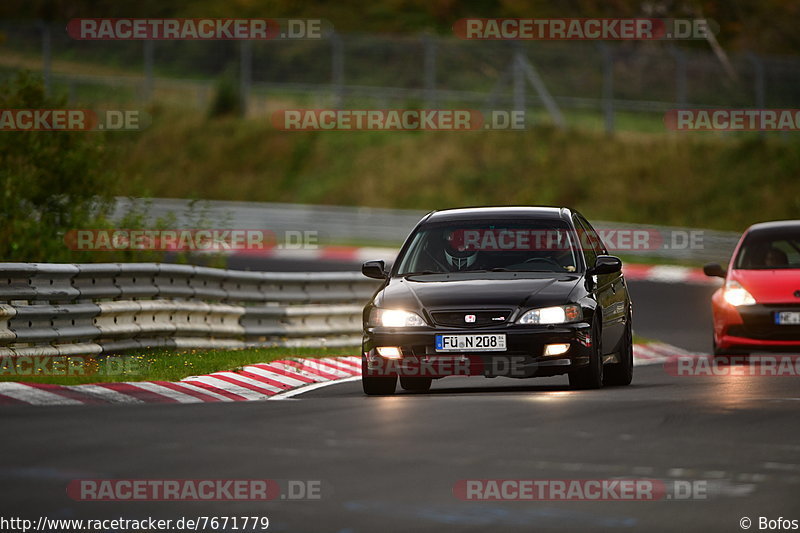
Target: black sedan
(498,291)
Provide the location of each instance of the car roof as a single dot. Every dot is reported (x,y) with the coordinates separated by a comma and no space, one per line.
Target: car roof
(499,212)
(774,226)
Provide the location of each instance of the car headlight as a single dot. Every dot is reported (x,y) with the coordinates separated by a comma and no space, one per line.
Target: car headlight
(737,295)
(394,318)
(552,315)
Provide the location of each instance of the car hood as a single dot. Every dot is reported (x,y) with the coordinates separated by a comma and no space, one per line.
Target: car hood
(770,286)
(463,291)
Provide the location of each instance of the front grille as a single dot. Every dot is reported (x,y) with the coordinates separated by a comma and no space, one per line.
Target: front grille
(766,332)
(759,323)
(458,319)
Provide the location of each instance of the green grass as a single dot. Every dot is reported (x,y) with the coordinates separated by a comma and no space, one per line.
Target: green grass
(159,365)
(162,365)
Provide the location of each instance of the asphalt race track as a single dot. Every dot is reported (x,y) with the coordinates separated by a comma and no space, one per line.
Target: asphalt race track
(390,464)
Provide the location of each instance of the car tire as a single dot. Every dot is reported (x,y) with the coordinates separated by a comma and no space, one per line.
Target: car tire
(621,374)
(591,376)
(721,356)
(415,384)
(718,351)
(376,385)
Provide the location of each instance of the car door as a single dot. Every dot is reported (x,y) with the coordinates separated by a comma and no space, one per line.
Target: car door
(610,290)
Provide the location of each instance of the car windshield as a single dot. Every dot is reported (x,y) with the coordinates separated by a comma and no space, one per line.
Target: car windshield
(538,246)
(770,251)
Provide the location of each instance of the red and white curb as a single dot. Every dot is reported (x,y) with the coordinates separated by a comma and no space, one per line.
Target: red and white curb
(656,353)
(264,381)
(354,254)
(667,274)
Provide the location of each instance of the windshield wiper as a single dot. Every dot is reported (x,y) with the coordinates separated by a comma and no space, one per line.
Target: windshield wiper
(422,273)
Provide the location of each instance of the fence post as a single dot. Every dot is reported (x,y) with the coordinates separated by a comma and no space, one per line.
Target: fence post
(337,69)
(494,94)
(245,74)
(518,78)
(679,55)
(608,86)
(759,88)
(544,95)
(147,93)
(758,75)
(429,46)
(46,57)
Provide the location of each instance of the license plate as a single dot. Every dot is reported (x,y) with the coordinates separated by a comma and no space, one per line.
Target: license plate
(787,318)
(471,343)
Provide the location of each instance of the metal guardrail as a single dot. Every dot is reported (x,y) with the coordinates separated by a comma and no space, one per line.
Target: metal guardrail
(70,309)
(333,223)
(389,227)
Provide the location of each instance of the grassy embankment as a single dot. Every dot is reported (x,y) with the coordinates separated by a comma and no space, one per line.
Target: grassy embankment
(152,365)
(692,179)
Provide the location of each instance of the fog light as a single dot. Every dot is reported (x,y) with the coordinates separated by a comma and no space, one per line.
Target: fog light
(555,349)
(390,352)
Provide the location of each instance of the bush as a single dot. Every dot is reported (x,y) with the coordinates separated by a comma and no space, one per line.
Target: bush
(226,98)
(50,181)
(53,182)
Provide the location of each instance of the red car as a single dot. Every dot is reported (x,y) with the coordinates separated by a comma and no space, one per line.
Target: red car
(758,307)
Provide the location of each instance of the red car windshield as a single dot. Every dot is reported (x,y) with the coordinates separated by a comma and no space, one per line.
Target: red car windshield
(767,251)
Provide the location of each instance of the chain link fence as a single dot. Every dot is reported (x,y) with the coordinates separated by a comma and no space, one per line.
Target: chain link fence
(608,84)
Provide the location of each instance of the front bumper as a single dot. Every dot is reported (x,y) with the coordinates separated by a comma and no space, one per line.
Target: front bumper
(523,358)
(753,327)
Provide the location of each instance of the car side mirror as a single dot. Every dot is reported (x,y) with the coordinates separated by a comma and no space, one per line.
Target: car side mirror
(374,269)
(714,270)
(605,264)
